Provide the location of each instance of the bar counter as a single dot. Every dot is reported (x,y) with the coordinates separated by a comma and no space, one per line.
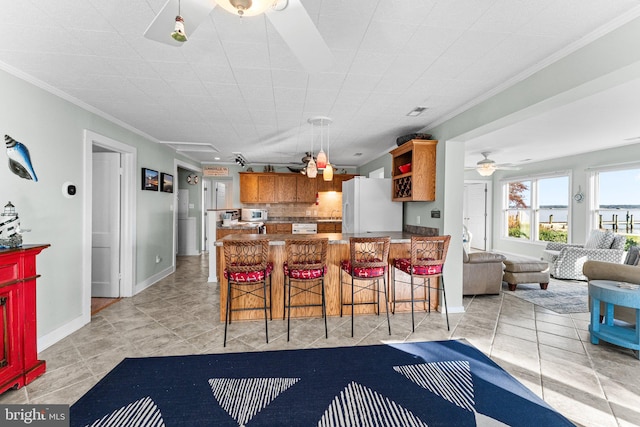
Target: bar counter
(337,251)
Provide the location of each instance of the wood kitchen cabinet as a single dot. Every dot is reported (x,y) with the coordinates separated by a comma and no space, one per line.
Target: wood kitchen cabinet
(306,189)
(278,228)
(257,187)
(419,183)
(329,227)
(292,188)
(286,188)
(19,364)
(277,188)
(335,184)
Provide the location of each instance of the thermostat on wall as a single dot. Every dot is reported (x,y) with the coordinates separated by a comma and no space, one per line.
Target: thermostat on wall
(69,189)
(435,213)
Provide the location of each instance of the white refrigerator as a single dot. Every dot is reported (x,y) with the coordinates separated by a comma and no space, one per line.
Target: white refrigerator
(367,206)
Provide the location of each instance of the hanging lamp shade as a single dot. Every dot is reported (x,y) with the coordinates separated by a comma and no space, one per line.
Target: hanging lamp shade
(327,174)
(321,163)
(245,7)
(486,169)
(312,169)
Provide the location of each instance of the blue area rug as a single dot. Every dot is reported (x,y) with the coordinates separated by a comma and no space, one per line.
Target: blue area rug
(443,383)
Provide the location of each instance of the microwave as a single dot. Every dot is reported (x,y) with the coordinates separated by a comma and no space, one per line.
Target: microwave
(254,214)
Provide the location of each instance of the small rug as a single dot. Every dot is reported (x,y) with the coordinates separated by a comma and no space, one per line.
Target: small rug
(440,383)
(563,297)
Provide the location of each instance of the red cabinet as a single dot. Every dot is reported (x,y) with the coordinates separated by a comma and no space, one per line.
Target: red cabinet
(19,364)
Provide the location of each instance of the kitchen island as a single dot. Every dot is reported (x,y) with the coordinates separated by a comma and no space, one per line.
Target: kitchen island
(337,251)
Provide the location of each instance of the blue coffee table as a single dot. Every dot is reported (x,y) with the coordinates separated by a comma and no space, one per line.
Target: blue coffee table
(613,293)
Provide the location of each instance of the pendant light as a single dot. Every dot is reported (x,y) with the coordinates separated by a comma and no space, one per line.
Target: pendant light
(246,7)
(327,174)
(322,159)
(178,31)
(312,170)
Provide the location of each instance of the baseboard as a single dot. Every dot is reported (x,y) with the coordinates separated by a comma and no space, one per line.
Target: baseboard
(64,331)
(139,287)
(455,309)
(68,328)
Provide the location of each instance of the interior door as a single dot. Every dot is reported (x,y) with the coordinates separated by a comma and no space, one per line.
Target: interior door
(475,213)
(105,246)
(221,195)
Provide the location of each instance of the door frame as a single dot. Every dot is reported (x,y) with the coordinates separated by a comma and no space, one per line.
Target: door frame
(488,207)
(177,163)
(128,162)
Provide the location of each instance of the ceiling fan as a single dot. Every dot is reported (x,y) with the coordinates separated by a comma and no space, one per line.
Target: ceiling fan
(288,17)
(486,166)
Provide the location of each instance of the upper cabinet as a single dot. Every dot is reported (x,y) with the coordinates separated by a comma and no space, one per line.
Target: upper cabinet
(416,182)
(306,189)
(335,184)
(295,188)
(269,187)
(257,187)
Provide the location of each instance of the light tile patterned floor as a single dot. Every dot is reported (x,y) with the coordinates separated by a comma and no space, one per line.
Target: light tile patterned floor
(549,353)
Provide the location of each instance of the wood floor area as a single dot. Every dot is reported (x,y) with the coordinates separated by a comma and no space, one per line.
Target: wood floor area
(98,304)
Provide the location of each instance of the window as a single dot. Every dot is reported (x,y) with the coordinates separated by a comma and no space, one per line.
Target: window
(616,204)
(537,209)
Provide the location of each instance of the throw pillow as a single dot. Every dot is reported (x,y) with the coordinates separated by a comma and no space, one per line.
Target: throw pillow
(633,255)
(619,241)
(599,239)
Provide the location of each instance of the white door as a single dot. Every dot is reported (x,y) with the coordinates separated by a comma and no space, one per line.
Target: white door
(105,246)
(221,195)
(475,213)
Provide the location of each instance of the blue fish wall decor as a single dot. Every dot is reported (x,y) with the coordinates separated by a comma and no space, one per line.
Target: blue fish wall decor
(19,159)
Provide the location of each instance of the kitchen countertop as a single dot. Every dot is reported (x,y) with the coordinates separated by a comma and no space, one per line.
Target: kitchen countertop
(334,238)
(242,225)
(301,220)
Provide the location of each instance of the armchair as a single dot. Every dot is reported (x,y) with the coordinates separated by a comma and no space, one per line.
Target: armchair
(482,273)
(566,261)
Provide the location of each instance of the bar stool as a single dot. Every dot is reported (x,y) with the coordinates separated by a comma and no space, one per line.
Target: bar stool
(304,271)
(428,255)
(247,269)
(368,261)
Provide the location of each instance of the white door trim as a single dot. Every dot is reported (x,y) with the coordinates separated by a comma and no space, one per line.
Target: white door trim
(184,165)
(128,209)
(488,209)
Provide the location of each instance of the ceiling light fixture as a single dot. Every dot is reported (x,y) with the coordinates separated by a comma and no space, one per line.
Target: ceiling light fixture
(178,31)
(246,7)
(416,111)
(323,159)
(486,166)
(240,160)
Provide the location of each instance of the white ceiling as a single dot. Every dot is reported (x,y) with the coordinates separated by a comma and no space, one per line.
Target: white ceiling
(235,86)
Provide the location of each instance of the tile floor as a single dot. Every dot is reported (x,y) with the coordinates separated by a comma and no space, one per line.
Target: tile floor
(549,353)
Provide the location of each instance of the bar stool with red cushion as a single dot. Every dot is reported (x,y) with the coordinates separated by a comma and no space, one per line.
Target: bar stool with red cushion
(427,259)
(247,269)
(304,270)
(369,262)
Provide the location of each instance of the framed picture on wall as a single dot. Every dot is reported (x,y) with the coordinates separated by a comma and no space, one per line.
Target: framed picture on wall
(149,179)
(166,182)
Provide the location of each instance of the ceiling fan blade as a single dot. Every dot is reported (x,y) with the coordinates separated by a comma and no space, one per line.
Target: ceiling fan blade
(301,35)
(193,12)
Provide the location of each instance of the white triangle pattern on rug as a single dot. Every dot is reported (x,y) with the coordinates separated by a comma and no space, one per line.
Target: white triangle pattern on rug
(243,398)
(450,380)
(362,406)
(486,421)
(143,412)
